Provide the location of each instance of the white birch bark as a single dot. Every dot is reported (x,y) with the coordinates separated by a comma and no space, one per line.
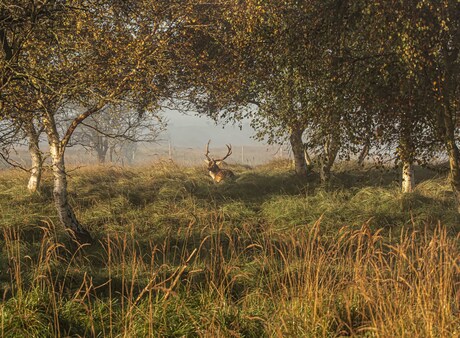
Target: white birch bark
(406,152)
(408,178)
(63,208)
(36,157)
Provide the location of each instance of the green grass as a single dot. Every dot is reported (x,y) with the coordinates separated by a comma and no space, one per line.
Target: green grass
(267,255)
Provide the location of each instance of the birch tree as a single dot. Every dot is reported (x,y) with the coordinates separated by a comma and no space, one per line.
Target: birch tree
(433,46)
(248,65)
(19,21)
(415,36)
(289,64)
(93,55)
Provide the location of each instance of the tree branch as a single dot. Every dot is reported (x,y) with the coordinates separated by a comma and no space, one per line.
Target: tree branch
(12,163)
(79,119)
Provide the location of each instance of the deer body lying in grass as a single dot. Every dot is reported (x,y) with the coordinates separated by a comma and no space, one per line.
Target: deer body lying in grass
(218,174)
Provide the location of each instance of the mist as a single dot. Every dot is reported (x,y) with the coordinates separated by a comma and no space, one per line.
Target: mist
(188,130)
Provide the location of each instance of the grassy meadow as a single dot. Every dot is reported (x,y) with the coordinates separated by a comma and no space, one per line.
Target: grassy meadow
(268,255)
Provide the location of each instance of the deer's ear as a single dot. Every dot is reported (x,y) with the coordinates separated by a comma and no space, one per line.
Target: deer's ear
(218,162)
(206,161)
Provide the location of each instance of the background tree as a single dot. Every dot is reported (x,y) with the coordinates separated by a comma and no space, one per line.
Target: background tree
(115,128)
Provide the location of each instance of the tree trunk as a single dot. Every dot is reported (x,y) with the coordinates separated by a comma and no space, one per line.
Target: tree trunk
(36,157)
(327,159)
(454,162)
(325,173)
(454,156)
(408,179)
(406,151)
(63,208)
(364,152)
(101,146)
(101,157)
(298,151)
(308,160)
(111,154)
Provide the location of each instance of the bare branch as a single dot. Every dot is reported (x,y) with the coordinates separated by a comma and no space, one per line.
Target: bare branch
(14,164)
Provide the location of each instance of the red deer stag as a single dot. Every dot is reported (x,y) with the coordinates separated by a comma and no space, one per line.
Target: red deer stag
(215,172)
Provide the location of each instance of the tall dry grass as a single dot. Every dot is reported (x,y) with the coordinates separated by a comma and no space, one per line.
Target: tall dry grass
(268,255)
(234,283)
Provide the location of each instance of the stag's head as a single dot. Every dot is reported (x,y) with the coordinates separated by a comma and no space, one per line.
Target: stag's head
(215,172)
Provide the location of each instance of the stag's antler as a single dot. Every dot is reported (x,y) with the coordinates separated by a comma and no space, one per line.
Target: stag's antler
(229,152)
(207,150)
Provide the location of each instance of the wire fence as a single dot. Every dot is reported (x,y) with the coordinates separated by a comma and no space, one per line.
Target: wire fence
(146,154)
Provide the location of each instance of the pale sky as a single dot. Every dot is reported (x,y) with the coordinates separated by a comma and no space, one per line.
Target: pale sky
(194,131)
